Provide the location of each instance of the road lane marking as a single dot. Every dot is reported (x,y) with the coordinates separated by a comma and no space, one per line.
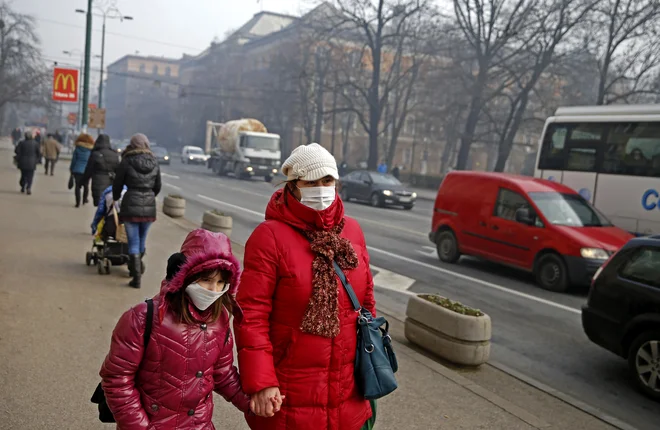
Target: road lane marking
(250,211)
(172,186)
(167,175)
(391,281)
(428,251)
(478,281)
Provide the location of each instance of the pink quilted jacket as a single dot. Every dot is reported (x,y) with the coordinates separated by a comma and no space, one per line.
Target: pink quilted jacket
(170,385)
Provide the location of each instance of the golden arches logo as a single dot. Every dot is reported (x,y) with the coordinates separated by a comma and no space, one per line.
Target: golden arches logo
(67,79)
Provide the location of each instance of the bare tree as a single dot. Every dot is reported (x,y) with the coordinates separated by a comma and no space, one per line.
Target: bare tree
(376,25)
(626,39)
(489,28)
(22,73)
(554,21)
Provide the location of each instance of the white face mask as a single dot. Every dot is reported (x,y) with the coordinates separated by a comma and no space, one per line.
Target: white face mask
(317,198)
(203,298)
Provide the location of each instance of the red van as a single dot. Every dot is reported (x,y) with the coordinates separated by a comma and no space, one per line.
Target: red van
(533,224)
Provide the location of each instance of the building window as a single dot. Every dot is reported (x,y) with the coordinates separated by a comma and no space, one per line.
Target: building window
(142,68)
(168,71)
(155,70)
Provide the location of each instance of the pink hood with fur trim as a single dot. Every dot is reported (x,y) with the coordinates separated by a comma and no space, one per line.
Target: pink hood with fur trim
(204,250)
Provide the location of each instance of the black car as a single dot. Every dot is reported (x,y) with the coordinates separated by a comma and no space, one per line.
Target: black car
(623,310)
(161,154)
(379,189)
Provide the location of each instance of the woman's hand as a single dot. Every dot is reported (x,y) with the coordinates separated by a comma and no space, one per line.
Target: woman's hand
(266,402)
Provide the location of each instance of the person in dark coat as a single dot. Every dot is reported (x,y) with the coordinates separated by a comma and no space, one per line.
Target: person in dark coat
(140,173)
(101,167)
(28,155)
(16,136)
(396,172)
(84,145)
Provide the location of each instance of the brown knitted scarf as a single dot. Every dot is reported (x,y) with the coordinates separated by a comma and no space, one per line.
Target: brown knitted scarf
(322,314)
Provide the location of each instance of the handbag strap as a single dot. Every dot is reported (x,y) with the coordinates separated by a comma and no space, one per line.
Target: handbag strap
(148,323)
(347,286)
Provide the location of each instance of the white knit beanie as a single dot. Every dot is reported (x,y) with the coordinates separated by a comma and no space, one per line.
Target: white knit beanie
(310,163)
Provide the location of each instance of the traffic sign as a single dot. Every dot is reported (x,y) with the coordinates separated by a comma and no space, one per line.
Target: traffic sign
(97,118)
(65,85)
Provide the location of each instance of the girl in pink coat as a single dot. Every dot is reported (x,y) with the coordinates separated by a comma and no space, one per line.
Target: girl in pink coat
(190,352)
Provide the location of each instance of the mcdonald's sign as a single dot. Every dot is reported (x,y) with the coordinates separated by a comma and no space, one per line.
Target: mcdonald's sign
(65,85)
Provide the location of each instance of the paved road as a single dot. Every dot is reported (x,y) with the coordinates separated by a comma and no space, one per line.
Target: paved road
(536,333)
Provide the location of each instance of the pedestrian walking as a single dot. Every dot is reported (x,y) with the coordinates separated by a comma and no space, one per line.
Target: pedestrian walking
(101,167)
(169,383)
(140,173)
(396,172)
(50,150)
(27,156)
(298,334)
(382,167)
(84,144)
(16,135)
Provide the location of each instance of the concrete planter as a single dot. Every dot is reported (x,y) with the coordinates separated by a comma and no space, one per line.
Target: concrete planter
(174,206)
(217,222)
(461,339)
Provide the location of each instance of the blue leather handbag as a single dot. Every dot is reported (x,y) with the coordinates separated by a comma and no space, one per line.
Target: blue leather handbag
(375,361)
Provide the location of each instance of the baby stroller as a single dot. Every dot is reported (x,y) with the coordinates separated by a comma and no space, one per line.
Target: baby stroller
(109,247)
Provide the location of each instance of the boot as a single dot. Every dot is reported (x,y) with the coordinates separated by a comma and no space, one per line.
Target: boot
(136,282)
(143,267)
(131,266)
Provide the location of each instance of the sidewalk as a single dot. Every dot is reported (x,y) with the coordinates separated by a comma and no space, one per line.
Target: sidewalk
(56,317)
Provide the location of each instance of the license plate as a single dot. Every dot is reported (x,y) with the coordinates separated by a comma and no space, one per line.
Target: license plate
(405,199)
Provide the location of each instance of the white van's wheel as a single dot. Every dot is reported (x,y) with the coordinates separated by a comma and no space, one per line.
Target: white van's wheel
(551,273)
(447,247)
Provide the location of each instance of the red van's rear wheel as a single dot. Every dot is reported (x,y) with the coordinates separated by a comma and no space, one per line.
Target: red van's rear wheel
(447,247)
(551,273)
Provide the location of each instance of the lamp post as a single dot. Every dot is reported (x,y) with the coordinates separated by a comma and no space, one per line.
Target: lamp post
(80,84)
(110,12)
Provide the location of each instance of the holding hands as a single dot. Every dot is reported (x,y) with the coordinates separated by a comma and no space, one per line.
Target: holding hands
(266,402)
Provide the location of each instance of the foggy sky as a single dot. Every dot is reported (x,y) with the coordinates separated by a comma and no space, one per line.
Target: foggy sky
(180,29)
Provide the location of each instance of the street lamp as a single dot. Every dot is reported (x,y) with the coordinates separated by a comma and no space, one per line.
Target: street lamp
(112,12)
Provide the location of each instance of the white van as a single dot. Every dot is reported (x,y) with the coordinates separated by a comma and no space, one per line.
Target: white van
(193,155)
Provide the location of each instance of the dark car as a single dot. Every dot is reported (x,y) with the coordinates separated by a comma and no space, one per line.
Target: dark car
(379,189)
(161,154)
(623,310)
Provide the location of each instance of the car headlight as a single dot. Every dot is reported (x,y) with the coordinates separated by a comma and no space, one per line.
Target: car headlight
(249,168)
(414,195)
(166,158)
(275,171)
(191,157)
(594,253)
(387,193)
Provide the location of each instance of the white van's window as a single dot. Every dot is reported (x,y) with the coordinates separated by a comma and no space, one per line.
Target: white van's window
(508,202)
(195,151)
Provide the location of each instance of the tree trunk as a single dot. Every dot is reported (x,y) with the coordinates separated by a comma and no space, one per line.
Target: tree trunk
(506,145)
(476,104)
(318,120)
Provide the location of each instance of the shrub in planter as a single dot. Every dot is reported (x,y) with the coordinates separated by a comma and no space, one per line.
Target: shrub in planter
(216,221)
(174,206)
(449,329)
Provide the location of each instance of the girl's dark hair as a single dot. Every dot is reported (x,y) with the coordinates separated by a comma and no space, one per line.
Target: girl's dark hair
(179,300)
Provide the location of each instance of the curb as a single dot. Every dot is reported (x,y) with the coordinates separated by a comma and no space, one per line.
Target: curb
(569,400)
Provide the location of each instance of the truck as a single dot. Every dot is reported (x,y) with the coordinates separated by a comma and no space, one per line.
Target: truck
(242,148)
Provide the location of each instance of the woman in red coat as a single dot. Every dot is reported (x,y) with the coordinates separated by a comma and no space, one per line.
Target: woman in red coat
(298,334)
(190,352)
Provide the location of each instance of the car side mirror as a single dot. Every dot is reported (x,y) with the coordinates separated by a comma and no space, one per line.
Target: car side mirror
(525,216)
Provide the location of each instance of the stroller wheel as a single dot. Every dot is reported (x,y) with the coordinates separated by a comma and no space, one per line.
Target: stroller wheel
(99,267)
(106,266)
(88,258)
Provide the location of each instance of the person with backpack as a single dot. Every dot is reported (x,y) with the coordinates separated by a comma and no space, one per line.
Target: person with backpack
(189,352)
(84,145)
(101,167)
